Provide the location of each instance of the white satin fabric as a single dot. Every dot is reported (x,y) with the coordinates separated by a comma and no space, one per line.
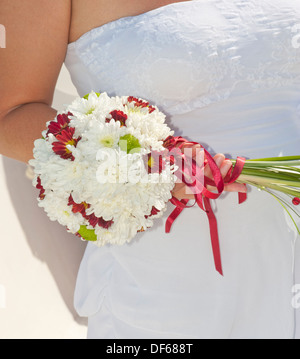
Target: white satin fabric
(227,74)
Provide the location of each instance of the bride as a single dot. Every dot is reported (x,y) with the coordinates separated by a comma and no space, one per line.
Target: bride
(227,74)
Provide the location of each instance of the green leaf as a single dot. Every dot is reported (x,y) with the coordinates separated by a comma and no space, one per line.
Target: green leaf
(287,161)
(87,96)
(275,177)
(276,159)
(87,234)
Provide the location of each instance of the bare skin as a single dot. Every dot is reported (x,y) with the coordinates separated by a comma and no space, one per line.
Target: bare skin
(38,33)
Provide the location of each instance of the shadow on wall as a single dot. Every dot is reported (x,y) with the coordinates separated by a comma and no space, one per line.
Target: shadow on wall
(61,99)
(48,241)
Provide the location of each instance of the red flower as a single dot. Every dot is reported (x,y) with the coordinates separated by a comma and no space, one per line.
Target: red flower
(169,143)
(154,212)
(140,103)
(296,201)
(41,188)
(94,221)
(118,116)
(61,123)
(91,218)
(65,139)
(78,207)
(79,236)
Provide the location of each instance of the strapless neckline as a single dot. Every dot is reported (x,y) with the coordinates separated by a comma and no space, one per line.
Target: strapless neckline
(125,19)
(204,64)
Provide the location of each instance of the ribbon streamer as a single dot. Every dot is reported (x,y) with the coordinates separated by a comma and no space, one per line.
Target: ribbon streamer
(203,195)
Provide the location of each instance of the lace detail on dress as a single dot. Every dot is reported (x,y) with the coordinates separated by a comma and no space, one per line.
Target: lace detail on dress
(266,31)
(216,49)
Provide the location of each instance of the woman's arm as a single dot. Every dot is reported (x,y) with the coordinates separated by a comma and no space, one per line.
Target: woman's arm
(37,34)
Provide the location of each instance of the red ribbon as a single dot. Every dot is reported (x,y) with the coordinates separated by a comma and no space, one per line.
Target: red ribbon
(203,195)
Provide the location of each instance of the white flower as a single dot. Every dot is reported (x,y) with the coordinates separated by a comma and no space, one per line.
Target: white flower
(150,128)
(99,135)
(42,152)
(57,209)
(82,107)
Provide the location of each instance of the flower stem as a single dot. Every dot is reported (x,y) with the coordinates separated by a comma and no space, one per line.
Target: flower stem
(266,183)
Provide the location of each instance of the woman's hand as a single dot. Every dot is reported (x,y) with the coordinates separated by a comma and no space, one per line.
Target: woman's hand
(181,191)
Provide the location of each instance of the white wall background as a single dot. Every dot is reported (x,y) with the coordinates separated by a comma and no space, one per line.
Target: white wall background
(38,259)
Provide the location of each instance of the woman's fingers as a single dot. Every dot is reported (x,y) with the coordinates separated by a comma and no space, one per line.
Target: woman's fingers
(181,191)
(219,159)
(225,167)
(236,187)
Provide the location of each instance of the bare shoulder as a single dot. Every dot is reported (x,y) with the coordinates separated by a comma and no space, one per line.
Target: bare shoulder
(36,41)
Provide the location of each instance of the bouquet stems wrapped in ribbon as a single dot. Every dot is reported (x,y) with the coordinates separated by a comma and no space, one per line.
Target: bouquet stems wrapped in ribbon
(278,176)
(106,168)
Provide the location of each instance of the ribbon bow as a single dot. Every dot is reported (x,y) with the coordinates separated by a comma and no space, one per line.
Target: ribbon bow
(202,195)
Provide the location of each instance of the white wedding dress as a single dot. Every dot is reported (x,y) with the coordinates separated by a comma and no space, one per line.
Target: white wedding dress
(227,74)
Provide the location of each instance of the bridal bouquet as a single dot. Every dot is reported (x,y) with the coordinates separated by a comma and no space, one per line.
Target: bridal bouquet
(106,167)
(98,170)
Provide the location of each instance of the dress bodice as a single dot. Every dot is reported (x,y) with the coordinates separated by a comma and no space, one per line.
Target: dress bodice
(180,61)
(214,58)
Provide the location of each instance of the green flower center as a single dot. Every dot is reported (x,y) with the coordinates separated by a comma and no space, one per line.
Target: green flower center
(107,141)
(90,111)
